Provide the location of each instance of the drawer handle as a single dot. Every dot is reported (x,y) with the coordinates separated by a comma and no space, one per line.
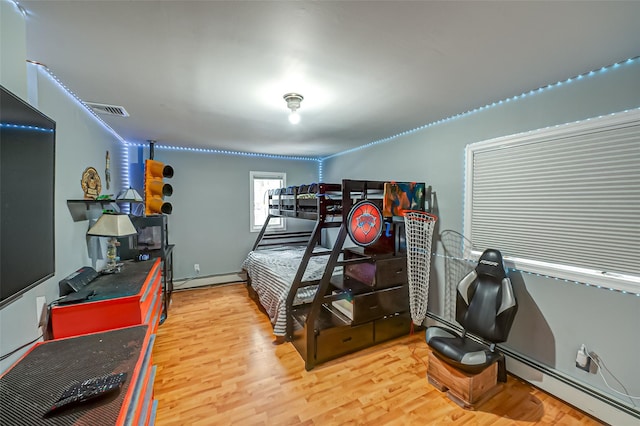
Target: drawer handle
(373,307)
(346,340)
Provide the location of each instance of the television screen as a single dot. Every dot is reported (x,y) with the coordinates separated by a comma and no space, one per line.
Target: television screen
(152,235)
(27,171)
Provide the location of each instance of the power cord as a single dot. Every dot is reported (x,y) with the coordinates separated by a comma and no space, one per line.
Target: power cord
(413,349)
(600,364)
(188,280)
(7,355)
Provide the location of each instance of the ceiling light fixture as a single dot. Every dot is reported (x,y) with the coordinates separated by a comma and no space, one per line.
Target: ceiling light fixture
(293,103)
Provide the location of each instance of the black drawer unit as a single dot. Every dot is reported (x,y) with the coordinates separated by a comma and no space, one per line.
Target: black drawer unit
(378,273)
(334,342)
(391,327)
(378,304)
(368,303)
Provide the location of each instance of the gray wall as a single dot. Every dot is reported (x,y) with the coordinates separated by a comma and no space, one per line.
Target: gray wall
(13,49)
(210,220)
(554,317)
(80,142)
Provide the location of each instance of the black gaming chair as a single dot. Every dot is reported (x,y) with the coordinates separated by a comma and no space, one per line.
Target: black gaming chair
(485,307)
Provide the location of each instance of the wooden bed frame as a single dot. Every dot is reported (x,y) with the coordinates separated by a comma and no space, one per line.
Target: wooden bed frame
(319,330)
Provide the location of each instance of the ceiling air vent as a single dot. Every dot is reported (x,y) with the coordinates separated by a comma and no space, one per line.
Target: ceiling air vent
(108,109)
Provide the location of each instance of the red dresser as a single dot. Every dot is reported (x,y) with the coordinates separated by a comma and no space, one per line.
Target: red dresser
(131,297)
(37,380)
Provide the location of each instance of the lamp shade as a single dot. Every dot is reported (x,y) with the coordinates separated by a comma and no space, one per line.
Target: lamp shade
(130,195)
(113,225)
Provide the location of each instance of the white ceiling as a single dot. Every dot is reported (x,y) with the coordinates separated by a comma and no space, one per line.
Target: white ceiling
(211,74)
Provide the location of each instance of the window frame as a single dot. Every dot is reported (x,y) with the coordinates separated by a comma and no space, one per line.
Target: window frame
(278,224)
(622,282)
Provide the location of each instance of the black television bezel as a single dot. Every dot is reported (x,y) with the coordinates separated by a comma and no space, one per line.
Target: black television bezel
(15,111)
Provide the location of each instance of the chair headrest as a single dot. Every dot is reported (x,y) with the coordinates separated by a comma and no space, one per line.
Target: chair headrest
(490,263)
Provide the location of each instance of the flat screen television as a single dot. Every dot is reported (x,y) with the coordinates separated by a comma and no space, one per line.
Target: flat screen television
(27,172)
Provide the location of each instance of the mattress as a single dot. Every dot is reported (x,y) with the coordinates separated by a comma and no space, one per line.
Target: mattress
(272,272)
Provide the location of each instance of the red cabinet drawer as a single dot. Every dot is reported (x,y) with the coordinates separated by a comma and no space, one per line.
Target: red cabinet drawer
(114,306)
(150,293)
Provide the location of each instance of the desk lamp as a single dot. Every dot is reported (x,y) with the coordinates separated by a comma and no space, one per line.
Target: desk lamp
(130,195)
(112,226)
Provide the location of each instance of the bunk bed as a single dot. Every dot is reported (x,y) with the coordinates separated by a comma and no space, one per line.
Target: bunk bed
(284,268)
(326,297)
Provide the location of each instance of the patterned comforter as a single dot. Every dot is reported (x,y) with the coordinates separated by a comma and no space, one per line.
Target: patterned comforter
(272,272)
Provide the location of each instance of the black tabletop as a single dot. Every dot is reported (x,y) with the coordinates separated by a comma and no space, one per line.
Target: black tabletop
(128,282)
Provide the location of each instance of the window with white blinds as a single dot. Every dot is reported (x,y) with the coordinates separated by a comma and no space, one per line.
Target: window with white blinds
(563,201)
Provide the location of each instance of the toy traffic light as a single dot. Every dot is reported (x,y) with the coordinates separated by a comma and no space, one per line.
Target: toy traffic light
(155,189)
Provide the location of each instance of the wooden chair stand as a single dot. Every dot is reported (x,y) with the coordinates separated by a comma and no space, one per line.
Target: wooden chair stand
(466,390)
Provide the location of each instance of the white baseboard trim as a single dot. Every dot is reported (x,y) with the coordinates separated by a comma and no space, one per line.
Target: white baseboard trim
(572,395)
(209,280)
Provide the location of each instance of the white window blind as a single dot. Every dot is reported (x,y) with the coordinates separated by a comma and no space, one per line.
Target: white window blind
(565,198)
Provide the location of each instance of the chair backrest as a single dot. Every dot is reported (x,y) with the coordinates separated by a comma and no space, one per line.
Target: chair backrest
(486,305)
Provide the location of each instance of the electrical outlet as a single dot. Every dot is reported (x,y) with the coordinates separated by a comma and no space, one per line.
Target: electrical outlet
(41,301)
(196,267)
(583,361)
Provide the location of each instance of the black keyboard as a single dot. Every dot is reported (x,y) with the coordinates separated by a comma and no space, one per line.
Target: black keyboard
(87,390)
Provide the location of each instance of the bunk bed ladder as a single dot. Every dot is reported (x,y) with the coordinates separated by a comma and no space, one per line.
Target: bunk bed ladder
(262,232)
(297,281)
(318,299)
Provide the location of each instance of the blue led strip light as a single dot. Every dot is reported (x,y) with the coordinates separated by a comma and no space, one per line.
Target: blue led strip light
(129,144)
(545,276)
(124,162)
(320,170)
(19,7)
(322,159)
(23,127)
(494,104)
(227,152)
(125,173)
(79,101)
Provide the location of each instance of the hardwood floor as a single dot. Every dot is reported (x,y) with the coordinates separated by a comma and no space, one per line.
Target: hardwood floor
(217,365)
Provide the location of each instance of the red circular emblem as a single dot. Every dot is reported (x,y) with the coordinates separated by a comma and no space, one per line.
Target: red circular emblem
(364,223)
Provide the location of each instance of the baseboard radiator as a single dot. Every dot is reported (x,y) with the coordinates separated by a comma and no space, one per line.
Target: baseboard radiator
(585,398)
(195,282)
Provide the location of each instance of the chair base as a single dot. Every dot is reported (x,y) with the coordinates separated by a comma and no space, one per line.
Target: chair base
(466,390)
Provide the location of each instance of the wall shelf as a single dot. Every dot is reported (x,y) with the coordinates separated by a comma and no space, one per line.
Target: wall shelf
(79,208)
